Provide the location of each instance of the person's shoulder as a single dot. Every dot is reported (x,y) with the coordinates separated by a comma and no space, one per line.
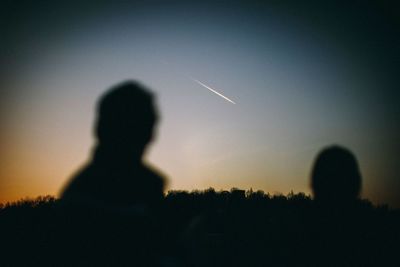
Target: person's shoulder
(78,182)
(155,175)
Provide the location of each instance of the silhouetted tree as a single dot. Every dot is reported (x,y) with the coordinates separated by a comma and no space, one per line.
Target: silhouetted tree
(203,227)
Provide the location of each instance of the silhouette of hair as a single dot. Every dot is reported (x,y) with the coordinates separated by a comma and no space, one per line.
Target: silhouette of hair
(335,176)
(126,117)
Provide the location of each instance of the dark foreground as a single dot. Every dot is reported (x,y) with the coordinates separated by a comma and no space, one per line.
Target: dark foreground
(204,228)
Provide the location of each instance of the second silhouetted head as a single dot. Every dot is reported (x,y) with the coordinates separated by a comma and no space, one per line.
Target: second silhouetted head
(336,176)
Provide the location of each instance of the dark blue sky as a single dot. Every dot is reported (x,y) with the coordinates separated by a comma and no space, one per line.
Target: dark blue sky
(303,76)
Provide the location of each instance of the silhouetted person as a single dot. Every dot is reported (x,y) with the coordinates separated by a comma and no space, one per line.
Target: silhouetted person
(113,203)
(336,176)
(116,177)
(337,226)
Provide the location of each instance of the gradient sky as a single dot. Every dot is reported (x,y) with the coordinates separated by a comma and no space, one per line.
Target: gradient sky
(303,76)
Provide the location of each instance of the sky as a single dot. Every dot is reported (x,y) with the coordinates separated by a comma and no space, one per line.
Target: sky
(303,76)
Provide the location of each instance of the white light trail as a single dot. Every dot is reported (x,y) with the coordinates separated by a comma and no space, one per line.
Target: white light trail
(212,90)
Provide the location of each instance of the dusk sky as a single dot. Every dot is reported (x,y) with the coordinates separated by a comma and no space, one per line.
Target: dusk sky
(303,76)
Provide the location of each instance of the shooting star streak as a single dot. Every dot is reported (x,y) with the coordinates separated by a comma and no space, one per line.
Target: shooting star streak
(212,90)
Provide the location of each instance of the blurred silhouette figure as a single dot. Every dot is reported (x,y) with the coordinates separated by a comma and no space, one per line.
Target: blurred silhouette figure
(113,204)
(338,224)
(336,176)
(116,177)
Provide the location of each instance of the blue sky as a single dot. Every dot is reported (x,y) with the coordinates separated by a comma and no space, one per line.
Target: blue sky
(303,77)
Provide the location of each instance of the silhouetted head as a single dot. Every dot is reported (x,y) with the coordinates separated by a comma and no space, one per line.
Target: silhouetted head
(126,118)
(335,176)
